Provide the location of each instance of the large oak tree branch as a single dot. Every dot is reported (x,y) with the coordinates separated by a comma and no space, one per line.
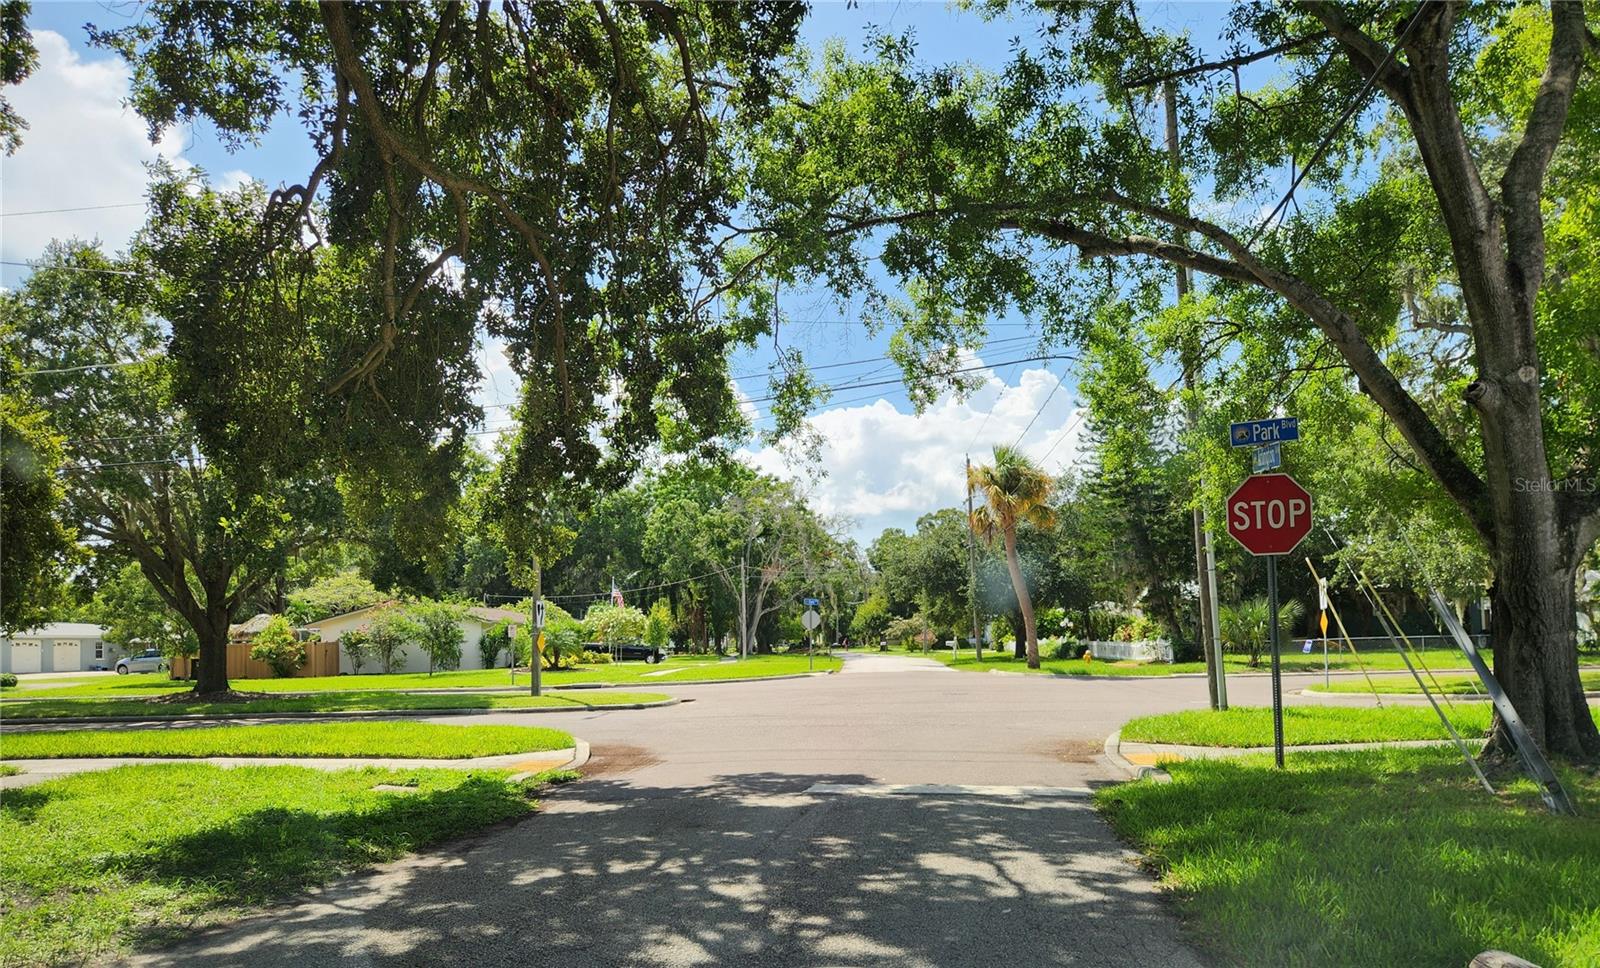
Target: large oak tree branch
(1522,184)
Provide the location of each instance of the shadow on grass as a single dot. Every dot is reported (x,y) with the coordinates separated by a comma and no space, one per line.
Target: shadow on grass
(746,869)
(185,843)
(1392,857)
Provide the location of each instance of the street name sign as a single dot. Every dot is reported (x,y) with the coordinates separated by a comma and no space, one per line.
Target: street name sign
(1269,514)
(1268,457)
(1254,433)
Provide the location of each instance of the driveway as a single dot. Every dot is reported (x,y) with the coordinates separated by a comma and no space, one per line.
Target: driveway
(756,825)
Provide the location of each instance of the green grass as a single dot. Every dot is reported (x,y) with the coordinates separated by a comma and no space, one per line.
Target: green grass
(102,863)
(1452,685)
(692,668)
(321,702)
(409,740)
(6,770)
(1391,857)
(1305,725)
(1295,661)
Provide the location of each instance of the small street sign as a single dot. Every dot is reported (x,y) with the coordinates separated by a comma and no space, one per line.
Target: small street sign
(811,620)
(1267,458)
(1254,433)
(812,602)
(1269,514)
(538,614)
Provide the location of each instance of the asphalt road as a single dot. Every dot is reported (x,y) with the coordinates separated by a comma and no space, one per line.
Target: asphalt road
(699,837)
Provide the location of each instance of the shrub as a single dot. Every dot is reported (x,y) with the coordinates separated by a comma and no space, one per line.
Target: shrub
(357,647)
(496,639)
(436,627)
(388,633)
(1139,628)
(590,657)
(277,647)
(7,679)
(1068,648)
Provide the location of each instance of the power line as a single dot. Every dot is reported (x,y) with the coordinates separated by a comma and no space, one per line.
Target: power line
(1048,397)
(1065,433)
(964,369)
(81,208)
(1327,139)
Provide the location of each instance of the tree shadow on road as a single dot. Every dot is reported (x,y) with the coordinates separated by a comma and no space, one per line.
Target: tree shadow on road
(748,869)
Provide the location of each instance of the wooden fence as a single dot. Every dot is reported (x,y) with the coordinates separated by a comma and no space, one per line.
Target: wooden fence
(322,659)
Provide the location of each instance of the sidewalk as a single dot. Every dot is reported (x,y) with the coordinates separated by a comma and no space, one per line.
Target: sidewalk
(38,771)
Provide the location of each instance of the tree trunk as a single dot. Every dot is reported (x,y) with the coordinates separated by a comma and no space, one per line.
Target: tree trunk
(1014,565)
(212,631)
(1533,632)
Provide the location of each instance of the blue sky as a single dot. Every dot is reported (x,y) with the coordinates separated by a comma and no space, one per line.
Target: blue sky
(884,465)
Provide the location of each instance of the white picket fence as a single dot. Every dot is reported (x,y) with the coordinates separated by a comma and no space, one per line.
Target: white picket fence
(1147,650)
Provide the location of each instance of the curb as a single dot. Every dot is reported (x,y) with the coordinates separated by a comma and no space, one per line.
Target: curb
(580,756)
(1113,750)
(1315,693)
(329,714)
(693,682)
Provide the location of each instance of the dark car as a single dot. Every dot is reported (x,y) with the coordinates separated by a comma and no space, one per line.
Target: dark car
(635,651)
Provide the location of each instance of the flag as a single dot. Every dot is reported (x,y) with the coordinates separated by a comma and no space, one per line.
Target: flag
(616,595)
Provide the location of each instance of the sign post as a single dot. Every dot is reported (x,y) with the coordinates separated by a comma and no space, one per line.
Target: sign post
(536,654)
(1269,514)
(1322,621)
(811,620)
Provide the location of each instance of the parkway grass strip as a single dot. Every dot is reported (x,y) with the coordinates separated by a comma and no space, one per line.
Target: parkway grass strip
(368,739)
(1251,726)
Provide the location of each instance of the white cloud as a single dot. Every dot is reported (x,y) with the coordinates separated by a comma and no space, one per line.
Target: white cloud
(886,466)
(83,147)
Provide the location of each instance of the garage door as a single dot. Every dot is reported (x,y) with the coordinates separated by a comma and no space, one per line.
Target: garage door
(25,657)
(68,657)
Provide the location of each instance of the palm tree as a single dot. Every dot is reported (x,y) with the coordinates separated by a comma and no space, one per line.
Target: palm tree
(1011,490)
(1245,626)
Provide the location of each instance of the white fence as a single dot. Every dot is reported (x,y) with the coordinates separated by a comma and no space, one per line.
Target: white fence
(1147,650)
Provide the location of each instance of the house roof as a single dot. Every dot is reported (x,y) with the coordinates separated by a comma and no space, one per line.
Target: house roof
(490,616)
(354,611)
(63,630)
(250,626)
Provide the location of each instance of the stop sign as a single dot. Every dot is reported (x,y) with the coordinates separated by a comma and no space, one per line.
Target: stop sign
(1269,514)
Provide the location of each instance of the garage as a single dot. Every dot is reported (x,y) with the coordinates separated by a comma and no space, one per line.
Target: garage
(25,657)
(67,657)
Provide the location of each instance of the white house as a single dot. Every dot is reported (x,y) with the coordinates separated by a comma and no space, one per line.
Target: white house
(57,647)
(412,658)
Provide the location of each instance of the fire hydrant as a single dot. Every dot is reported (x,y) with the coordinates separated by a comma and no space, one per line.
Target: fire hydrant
(1088,659)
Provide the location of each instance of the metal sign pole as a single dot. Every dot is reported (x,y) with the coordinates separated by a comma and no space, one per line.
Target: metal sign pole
(1277,666)
(535,653)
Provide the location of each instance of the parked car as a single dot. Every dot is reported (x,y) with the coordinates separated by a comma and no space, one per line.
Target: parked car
(638,650)
(150,660)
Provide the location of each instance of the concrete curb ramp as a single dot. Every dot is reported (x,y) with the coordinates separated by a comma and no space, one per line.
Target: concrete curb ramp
(520,765)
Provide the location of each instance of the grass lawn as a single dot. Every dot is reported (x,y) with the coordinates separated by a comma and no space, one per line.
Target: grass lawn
(320,702)
(685,668)
(8,770)
(1295,661)
(1305,725)
(414,740)
(105,862)
(1454,685)
(1391,857)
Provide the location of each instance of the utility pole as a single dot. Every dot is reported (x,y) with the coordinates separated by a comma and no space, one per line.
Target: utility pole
(744,616)
(1204,559)
(972,569)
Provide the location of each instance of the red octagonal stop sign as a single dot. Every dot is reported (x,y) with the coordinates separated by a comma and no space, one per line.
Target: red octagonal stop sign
(1269,514)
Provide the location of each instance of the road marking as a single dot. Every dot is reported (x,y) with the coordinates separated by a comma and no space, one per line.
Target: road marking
(948,790)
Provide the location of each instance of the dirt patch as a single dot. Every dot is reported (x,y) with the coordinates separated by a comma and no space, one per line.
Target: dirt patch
(228,696)
(616,758)
(1069,750)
